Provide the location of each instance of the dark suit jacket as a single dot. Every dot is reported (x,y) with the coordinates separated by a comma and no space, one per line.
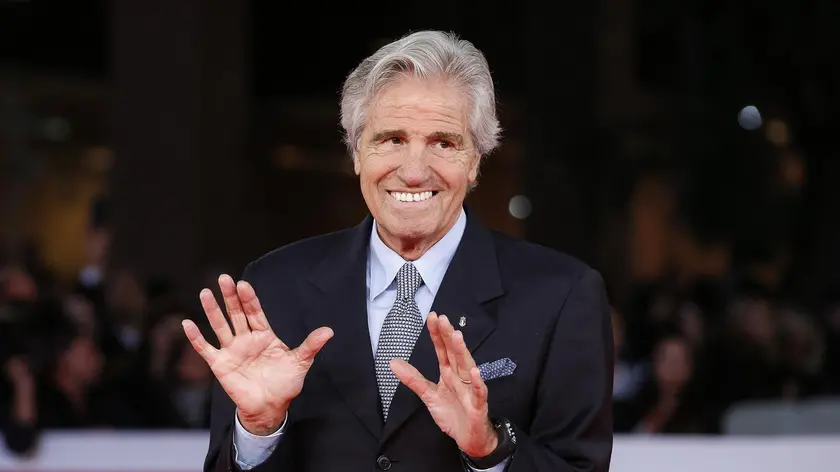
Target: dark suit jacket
(546,311)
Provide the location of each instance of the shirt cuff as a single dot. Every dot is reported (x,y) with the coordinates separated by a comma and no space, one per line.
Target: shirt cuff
(250,450)
(497,468)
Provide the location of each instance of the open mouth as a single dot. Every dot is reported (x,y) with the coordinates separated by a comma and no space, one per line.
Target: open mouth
(412,196)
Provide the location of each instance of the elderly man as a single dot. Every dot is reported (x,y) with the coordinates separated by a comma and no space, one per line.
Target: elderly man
(513,368)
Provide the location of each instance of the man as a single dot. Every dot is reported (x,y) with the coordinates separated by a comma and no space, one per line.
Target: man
(513,368)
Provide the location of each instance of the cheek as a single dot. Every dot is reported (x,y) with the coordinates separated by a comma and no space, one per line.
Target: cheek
(456,171)
(373,169)
(456,174)
(368,177)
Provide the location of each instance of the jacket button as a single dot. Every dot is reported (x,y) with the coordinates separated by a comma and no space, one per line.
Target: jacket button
(383,462)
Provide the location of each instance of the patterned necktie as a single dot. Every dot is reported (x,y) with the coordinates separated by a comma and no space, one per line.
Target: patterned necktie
(399,333)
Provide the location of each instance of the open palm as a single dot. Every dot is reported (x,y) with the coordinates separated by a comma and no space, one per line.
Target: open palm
(458,401)
(260,373)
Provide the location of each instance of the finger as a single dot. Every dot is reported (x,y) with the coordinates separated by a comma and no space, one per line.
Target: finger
(251,305)
(433,322)
(452,380)
(233,305)
(201,346)
(479,389)
(216,317)
(446,331)
(462,354)
(413,379)
(312,345)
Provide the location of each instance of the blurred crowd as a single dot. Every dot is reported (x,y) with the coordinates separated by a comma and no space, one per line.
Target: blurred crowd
(109,352)
(685,357)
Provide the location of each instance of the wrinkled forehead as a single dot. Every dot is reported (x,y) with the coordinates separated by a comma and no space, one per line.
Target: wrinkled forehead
(419,106)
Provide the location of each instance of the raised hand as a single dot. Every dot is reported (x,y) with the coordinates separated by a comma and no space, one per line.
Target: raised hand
(458,401)
(257,370)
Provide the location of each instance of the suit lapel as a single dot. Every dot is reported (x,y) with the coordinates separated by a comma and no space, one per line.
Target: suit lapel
(337,298)
(471,280)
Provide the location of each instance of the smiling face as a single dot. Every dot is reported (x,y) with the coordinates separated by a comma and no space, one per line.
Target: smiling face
(416,162)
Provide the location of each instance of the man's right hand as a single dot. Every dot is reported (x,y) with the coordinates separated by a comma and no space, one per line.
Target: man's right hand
(256,369)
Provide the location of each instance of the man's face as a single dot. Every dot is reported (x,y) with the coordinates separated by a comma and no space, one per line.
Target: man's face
(416,161)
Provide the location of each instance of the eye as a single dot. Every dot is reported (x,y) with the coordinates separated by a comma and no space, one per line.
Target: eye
(445,144)
(393,140)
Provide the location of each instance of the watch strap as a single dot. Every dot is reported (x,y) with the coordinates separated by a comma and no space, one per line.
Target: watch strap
(505,448)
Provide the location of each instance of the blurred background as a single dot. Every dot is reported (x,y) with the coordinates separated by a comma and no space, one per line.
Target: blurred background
(686,149)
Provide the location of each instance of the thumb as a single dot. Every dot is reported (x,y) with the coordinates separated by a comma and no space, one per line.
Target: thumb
(312,345)
(413,379)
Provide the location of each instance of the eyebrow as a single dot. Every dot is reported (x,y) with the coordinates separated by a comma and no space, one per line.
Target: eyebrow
(385,134)
(454,138)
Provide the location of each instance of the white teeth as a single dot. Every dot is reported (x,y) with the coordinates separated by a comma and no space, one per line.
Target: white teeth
(411,197)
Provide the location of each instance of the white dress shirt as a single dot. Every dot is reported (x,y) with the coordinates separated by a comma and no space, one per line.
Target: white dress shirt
(382,267)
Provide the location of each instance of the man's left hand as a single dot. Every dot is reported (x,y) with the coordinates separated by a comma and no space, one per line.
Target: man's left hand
(458,401)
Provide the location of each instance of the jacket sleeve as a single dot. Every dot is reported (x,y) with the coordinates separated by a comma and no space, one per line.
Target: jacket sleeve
(220,453)
(572,429)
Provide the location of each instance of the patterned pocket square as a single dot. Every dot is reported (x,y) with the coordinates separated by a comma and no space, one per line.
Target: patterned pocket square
(496,369)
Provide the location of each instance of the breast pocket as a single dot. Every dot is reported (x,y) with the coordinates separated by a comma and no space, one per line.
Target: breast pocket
(502,389)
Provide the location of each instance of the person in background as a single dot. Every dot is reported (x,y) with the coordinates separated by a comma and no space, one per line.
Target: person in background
(189,379)
(18,422)
(18,384)
(177,395)
(744,362)
(667,403)
(801,354)
(67,393)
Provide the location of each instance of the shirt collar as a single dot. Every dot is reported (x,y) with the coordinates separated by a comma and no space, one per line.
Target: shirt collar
(384,262)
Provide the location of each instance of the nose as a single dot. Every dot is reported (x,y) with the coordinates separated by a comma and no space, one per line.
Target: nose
(414,170)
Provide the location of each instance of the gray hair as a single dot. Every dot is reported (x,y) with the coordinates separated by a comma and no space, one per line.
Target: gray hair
(427,55)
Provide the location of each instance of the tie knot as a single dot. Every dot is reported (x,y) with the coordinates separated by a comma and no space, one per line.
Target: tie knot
(408,281)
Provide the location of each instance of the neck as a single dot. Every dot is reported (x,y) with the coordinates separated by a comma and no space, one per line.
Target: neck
(411,249)
(408,249)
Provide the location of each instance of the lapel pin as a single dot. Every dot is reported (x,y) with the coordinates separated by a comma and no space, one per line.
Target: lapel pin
(462,322)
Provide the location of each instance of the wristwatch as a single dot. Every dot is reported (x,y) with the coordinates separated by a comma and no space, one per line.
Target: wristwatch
(505,448)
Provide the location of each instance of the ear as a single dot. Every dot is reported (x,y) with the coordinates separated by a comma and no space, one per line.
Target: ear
(473,171)
(357,167)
